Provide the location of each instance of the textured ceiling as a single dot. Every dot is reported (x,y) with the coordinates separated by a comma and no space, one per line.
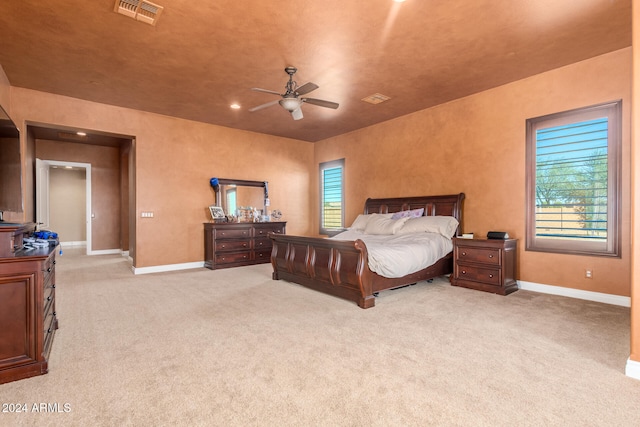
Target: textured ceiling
(204,55)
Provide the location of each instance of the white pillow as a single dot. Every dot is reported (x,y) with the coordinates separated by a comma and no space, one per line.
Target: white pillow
(381,225)
(445,225)
(361,221)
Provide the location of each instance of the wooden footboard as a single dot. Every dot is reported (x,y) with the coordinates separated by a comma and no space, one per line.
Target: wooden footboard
(335,267)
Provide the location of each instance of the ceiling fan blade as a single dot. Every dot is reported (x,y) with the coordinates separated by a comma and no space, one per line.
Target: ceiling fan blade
(321,103)
(306,88)
(257,89)
(296,114)
(260,107)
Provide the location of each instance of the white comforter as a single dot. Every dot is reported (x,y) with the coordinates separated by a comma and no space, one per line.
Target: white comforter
(400,254)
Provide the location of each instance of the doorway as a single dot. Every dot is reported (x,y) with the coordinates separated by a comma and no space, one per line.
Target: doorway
(106,161)
(63,200)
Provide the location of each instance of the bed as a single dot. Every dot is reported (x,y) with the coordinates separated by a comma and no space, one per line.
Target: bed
(341,267)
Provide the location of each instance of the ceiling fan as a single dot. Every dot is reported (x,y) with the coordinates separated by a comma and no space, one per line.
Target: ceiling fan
(291,100)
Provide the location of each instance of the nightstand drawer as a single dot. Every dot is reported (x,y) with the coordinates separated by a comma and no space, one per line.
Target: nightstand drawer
(480,255)
(490,276)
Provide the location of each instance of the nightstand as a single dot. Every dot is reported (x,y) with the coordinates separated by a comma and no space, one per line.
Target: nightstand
(485,264)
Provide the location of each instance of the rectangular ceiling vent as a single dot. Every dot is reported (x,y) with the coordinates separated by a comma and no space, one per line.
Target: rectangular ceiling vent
(141,10)
(376,98)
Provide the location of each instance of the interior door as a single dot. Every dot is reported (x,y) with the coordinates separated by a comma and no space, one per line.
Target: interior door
(42,194)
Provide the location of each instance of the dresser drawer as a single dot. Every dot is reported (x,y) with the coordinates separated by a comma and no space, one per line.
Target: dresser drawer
(232,257)
(48,296)
(263,230)
(479,255)
(232,233)
(261,244)
(263,255)
(232,245)
(490,276)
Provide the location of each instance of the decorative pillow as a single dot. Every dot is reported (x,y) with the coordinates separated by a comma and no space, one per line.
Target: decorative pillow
(413,213)
(380,225)
(445,225)
(361,221)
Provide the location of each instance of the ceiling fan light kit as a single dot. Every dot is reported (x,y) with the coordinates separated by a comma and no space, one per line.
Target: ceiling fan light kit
(291,100)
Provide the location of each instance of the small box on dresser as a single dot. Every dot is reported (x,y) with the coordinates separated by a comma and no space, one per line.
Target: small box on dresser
(485,264)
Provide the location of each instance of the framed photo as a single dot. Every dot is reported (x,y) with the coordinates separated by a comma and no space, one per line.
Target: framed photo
(217,213)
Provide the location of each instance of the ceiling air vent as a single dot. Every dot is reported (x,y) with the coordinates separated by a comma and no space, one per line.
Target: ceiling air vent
(376,98)
(142,10)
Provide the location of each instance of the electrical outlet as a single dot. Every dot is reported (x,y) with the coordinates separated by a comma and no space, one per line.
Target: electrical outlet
(588,274)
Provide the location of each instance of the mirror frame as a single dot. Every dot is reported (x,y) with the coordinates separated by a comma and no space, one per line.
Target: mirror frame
(241,182)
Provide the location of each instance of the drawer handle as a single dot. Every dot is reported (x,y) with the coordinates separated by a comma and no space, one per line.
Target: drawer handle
(53,286)
(54,314)
(49,298)
(464,253)
(490,255)
(464,272)
(244,245)
(49,270)
(48,330)
(491,276)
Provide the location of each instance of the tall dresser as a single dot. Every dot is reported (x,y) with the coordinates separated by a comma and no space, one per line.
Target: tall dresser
(27,305)
(234,244)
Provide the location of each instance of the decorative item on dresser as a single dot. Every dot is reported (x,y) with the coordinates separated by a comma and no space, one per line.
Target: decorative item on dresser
(485,264)
(234,244)
(27,304)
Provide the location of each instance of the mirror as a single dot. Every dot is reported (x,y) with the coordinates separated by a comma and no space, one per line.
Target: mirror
(242,199)
(10,165)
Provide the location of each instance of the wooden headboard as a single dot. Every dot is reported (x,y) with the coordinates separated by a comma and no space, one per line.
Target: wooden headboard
(447,205)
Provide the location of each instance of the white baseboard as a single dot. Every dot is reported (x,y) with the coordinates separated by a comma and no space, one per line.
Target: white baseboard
(633,369)
(73,244)
(105,252)
(168,267)
(575,293)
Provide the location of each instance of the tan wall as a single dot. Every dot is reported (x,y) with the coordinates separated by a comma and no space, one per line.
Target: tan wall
(174,160)
(476,145)
(105,186)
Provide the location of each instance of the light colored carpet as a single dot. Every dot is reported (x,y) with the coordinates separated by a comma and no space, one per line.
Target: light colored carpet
(233,347)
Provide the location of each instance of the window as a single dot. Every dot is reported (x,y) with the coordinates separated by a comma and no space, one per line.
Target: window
(573,181)
(332,197)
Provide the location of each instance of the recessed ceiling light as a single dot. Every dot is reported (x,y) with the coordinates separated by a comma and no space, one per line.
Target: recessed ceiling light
(235,106)
(398,1)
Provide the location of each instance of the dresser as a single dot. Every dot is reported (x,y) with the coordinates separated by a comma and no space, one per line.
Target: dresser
(234,244)
(485,264)
(27,308)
